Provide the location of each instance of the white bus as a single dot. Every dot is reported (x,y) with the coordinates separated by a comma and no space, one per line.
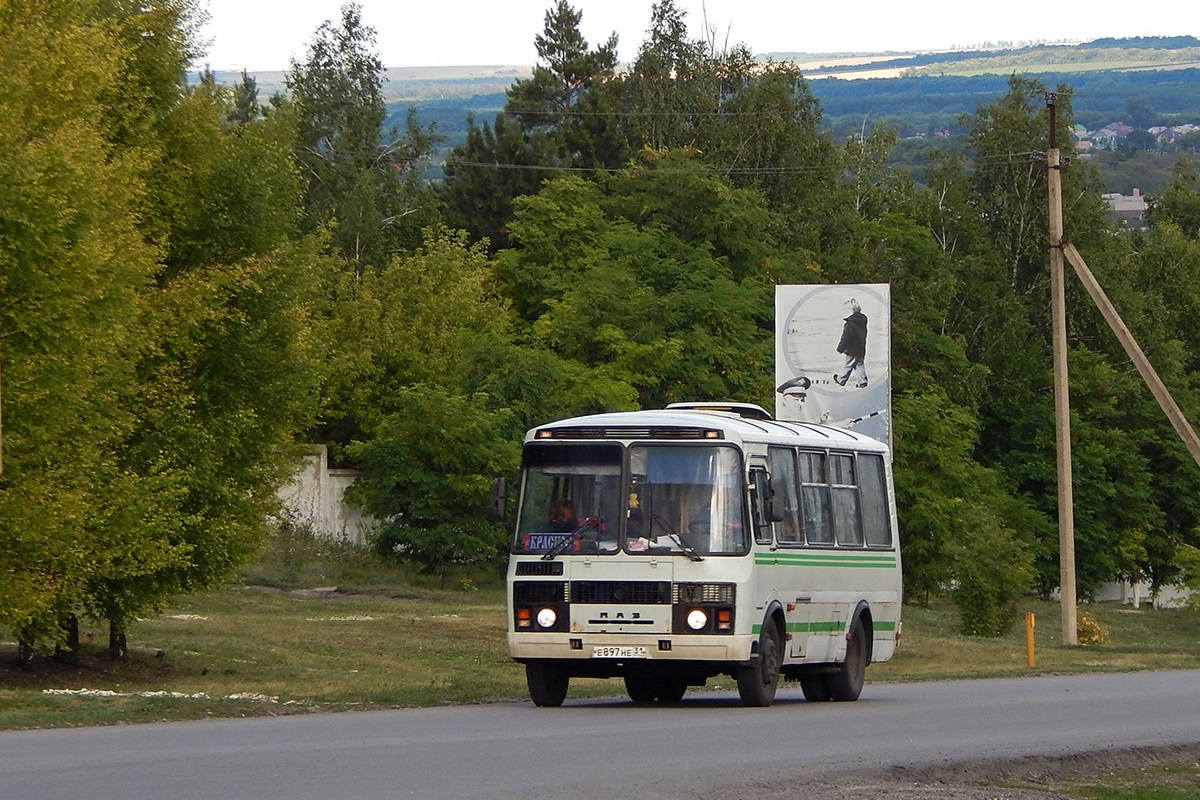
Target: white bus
(668,547)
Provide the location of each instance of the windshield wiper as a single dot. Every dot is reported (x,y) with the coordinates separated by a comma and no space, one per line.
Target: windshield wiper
(576,536)
(687,549)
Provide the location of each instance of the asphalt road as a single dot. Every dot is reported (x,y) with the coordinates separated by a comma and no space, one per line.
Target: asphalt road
(707,746)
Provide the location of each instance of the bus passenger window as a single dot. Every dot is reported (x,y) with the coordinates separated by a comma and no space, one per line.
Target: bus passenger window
(847,522)
(817,507)
(877,522)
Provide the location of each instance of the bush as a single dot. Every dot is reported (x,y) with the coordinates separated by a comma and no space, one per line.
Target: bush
(991,569)
(1088,630)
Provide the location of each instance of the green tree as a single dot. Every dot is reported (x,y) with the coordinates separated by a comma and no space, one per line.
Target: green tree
(662,83)
(662,283)
(412,345)
(155,332)
(756,124)
(551,120)
(361,181)
(74,269)
(565,72)
(1008,184)
(1180,203)
(960,527)
(428,477)
(225,378)
(1153,282)
(496,164)
(245,105)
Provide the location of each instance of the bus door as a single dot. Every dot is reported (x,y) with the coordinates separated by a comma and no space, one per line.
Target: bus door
(833,533)
(795,593)
(770,573)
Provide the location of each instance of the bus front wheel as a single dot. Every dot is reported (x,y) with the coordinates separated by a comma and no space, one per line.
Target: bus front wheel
(670,691)
(640,689)
(758,681)
(646,690)
(547,683)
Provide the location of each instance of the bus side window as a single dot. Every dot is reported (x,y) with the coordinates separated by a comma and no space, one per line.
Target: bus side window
(847,522)
(877,522)
(783,477)
(815,502)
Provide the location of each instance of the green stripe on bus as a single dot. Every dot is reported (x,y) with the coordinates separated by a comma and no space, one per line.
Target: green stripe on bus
(825,560)
(829,626)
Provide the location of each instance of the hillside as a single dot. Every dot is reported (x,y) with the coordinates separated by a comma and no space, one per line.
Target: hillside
(1102,55)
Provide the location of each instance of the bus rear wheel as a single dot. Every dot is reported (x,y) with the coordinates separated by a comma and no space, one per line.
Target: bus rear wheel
(846,684)
(758,681)
(547,683)
(815,687)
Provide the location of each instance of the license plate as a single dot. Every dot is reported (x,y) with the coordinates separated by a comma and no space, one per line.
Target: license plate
(604,651)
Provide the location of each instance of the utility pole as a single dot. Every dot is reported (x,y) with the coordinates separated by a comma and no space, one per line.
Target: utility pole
(1060,248)
(1062,400)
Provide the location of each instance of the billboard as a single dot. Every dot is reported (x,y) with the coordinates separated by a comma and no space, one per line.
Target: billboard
(833,356)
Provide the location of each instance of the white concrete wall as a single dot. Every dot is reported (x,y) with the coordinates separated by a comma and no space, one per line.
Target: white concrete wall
(1139,594)
(313,500)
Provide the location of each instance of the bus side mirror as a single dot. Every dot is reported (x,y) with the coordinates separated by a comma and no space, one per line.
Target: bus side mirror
(499,499)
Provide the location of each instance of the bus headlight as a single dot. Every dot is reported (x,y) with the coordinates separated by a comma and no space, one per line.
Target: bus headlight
(546,617)
(697,619)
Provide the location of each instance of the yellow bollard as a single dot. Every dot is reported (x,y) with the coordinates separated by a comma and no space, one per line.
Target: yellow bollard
(1029,659)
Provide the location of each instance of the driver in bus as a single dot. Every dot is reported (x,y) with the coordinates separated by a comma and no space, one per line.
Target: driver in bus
(562,517)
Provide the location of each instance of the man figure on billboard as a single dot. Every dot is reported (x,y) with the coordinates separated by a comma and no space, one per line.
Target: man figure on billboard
(853,346)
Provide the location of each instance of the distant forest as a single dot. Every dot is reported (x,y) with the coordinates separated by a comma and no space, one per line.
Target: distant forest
(925,105)
(927,110)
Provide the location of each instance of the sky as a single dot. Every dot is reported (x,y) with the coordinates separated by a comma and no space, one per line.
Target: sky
(260,35)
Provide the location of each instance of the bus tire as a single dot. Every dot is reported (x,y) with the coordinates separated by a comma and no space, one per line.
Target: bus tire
(670,691)
(815,686)
(846,684)
(640,688)
(547,683)
(758,681)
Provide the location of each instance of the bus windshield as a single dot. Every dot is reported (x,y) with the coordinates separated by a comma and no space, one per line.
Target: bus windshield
(687,499)
(675,499)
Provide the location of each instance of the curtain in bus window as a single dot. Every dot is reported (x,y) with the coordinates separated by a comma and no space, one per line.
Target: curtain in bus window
(680,465)
(727,514)
(873,493)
